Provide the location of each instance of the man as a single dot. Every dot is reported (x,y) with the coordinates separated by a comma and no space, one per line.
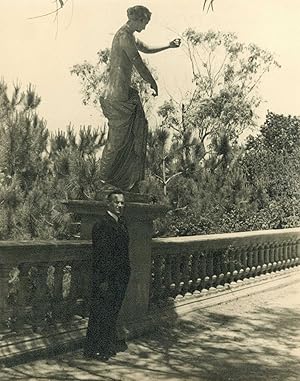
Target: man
(123,158)
(110,276)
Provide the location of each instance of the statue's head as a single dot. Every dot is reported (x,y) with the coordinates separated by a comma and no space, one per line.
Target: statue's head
(138,16)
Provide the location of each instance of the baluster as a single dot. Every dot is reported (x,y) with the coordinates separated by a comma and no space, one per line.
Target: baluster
(239,265)
(230,276)
(164,290)
(237,260)
(244,259)
(280,255)
(57,299)
(5,310)
(185,274)
(218,274)
(85,286)
(195,272)
(190,287)
(151,288)
(255,258)
(173,291)
(168,276)
(209,269)
(264,258)
(40,303)
(181,281)
(285,255)
(250,262)
(288,252)
(268,257)
(12,299)
(157,283)
(224,268)
(50,279)
(250,257)
(202,271)
(260,260)
(297,246)
(177,274)
(276,256)
(23,295)
(66,282)
(293,252)
(272,257)
(173,260)
(72,298)
(50,285)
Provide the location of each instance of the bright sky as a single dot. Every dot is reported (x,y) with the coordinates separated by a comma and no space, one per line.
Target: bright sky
(41,52)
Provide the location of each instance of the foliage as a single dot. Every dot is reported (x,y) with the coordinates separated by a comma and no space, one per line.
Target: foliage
(59,4)
(241,189)
(75,162)
(196,164)
(219,186)
(94,78)
(38,170)
(197,136)
(272,159)
(225,76)
(23,141)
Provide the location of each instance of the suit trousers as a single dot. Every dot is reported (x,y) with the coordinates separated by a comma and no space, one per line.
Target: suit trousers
(104,309)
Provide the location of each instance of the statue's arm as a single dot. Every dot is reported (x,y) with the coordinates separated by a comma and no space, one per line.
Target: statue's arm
(130,48)
(144,48)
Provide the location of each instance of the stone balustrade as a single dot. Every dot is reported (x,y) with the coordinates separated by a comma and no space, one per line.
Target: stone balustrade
(193,265)
(43,283)
(46,284)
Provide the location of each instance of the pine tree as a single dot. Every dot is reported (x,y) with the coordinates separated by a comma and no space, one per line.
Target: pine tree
(23,155)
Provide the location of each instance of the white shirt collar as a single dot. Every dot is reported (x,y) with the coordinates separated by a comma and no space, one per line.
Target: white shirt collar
(115,217)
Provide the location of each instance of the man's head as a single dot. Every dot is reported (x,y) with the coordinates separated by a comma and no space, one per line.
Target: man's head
(116,202)
(138,17)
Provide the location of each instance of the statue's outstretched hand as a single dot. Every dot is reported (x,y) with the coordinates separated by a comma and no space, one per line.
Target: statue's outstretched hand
(175,43)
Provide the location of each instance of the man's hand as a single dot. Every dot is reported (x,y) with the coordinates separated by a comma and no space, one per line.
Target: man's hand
(175,43)
(154,87)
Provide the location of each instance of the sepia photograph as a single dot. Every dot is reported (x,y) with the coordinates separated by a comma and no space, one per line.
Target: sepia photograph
(149,190)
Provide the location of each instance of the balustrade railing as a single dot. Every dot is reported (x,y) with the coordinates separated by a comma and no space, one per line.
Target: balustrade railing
(192,265)
(43,283)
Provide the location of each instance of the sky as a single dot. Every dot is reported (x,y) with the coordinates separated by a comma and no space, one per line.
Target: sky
(42,50)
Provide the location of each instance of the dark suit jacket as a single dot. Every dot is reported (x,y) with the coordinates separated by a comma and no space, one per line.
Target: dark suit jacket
(110,250)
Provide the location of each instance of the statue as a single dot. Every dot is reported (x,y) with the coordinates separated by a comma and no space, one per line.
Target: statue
(123,158)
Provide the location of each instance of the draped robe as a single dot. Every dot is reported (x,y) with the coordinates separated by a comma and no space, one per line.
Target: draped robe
(123,158)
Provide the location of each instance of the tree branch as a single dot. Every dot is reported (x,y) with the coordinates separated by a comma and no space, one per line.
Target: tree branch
(209,3)
(61,2)
(172,177)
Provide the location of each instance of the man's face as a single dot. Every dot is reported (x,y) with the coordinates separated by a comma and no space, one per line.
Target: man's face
(116,204)
(141,24)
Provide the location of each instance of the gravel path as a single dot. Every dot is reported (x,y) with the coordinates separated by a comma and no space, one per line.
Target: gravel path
(256,338)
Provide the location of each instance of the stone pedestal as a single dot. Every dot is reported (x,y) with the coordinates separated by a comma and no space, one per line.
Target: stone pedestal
(139,218)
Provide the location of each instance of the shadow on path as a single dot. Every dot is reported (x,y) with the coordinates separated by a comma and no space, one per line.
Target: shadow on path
(253,339)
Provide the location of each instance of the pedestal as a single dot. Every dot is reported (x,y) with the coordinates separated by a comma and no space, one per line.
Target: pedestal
(139,218)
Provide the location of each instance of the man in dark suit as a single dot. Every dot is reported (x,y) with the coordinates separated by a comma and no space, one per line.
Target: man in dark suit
(110,276)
